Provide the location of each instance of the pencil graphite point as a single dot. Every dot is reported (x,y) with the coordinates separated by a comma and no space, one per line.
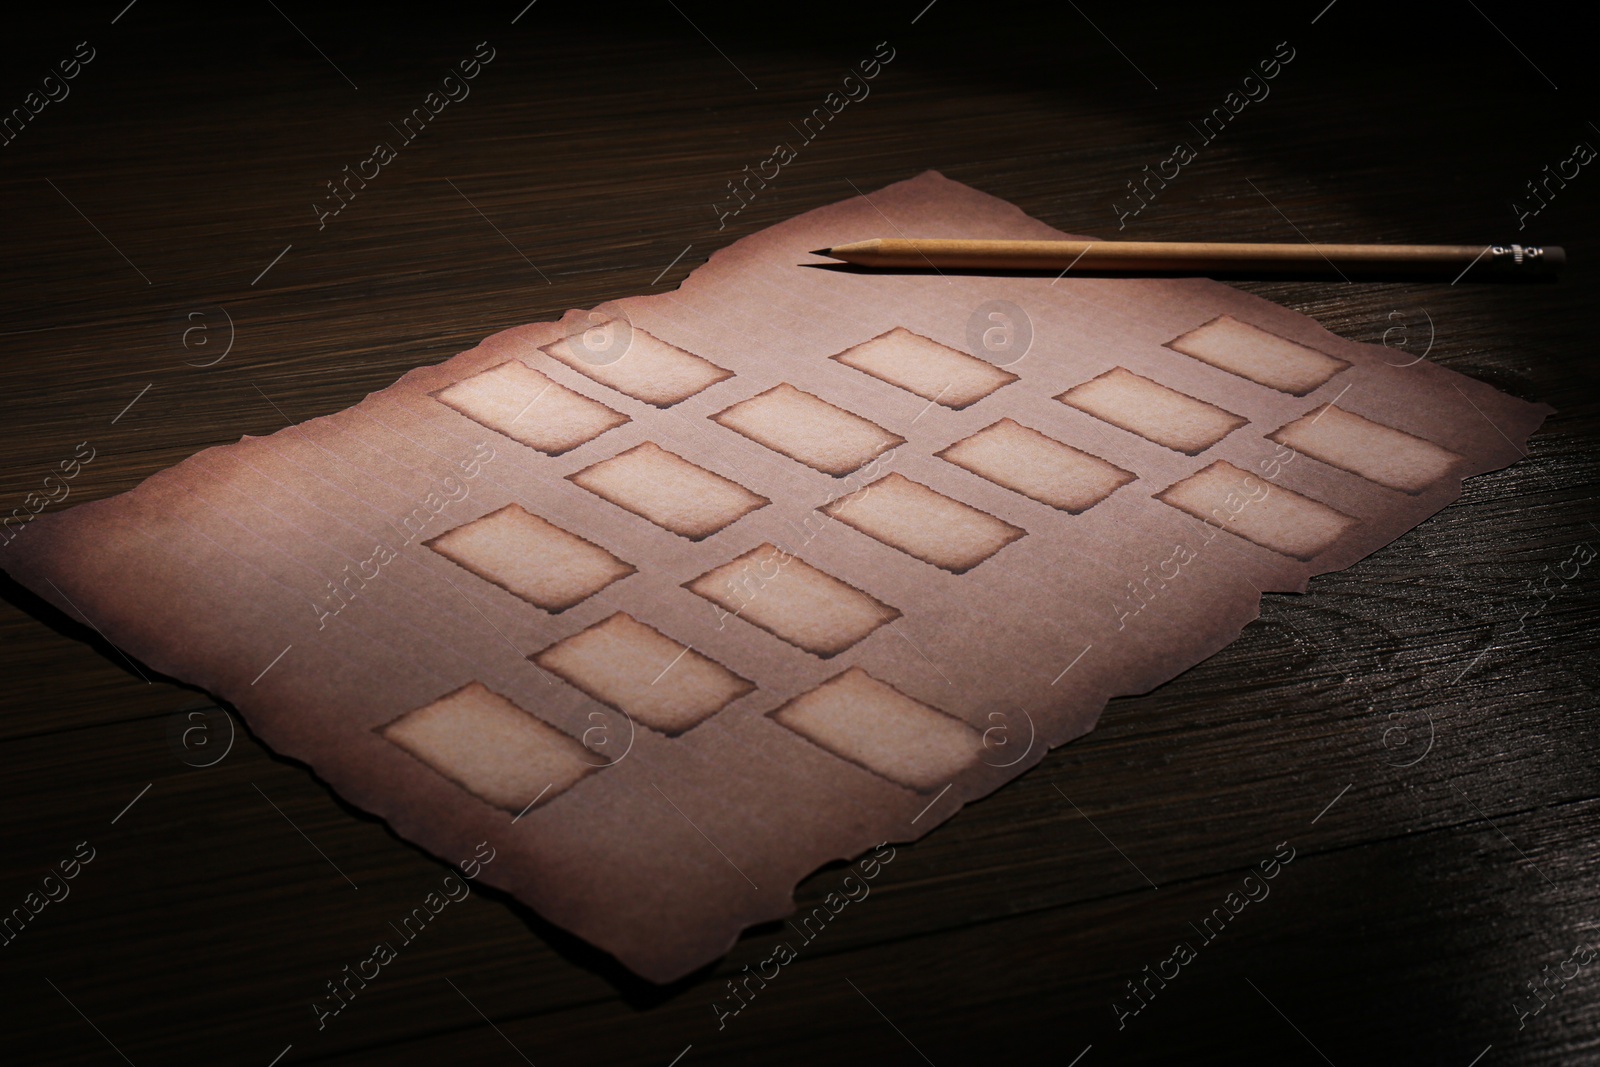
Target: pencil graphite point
(822,251)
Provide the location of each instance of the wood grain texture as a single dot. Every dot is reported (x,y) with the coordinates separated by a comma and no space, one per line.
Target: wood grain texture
(1424,693)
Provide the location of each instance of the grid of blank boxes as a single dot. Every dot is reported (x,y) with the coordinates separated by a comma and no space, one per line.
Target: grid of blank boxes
(508,757)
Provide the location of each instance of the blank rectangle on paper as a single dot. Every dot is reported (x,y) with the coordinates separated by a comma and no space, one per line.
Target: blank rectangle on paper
(1379,453)
(927,368)
(620,355)
(872,724)
(1151,410)
(923,523)
(643,673)
(1040,467)
(1263,357)
(668,490)
(491,748)
(807,428)
(1269,515)
(531,558)
(789,598)
(516,400)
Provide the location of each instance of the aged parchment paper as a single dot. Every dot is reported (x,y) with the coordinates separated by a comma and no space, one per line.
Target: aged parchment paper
(673,606)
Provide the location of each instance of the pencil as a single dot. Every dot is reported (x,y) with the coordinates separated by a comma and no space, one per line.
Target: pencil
(1195,256)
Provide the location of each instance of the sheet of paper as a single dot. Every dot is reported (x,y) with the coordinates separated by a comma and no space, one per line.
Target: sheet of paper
(676,600)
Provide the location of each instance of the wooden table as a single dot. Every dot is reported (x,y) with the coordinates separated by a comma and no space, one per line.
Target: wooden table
(1419,729)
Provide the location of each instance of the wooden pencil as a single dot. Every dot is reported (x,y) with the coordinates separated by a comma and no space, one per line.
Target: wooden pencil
(1196,256)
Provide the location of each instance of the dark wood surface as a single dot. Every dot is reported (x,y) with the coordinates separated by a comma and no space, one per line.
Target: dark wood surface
(1420,728)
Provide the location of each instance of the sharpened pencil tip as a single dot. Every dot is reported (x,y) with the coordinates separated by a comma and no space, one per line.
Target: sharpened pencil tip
(822,252)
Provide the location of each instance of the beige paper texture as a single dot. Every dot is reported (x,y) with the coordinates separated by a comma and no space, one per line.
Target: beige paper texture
(1029,560)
